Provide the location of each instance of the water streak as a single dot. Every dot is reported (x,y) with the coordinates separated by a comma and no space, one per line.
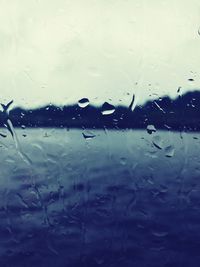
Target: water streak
(8,124)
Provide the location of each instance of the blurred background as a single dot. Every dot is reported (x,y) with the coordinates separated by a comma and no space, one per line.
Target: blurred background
(60,51)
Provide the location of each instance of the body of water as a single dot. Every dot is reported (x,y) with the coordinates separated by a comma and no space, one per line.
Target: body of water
(102,198)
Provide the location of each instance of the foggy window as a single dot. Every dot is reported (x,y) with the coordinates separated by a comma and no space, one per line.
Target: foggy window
(99,133)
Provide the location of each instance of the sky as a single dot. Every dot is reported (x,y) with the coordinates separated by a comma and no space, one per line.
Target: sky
(59,51)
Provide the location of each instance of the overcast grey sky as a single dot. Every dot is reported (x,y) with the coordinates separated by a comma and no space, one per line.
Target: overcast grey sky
(62,50)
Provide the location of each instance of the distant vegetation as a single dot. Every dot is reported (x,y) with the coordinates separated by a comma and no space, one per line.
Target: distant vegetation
(183,113)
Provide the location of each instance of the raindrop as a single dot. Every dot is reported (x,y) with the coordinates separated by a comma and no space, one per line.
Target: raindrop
(179,89)
(107,109)
(88,135)
(191,80)
(157,142)
(160,234)
(159,107)
(23,126)
(123,161)
(167,126)
(47,135)
(99,261)
(22,115)
(133,103)
(6,107)
(169,151)
(3,135)
(8,124)
(83,103)
(151,129)
(151,154)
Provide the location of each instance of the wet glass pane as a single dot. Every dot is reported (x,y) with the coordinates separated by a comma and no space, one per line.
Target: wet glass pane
(99,133)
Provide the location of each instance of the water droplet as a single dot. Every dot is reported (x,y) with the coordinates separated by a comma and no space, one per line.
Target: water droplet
(83,103)
(47,135)
(151,129)
(159,107)
(23,126)
(191,80)
(133,103)
(107,109)
(167,126)
(157,142)
(7,121)
(22,115)
(7,106)
(169,151)
(179,89)
(160,234)
(151,154)
(99,261)
(3,135)
(88,135)
(123,161)
(8,124)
